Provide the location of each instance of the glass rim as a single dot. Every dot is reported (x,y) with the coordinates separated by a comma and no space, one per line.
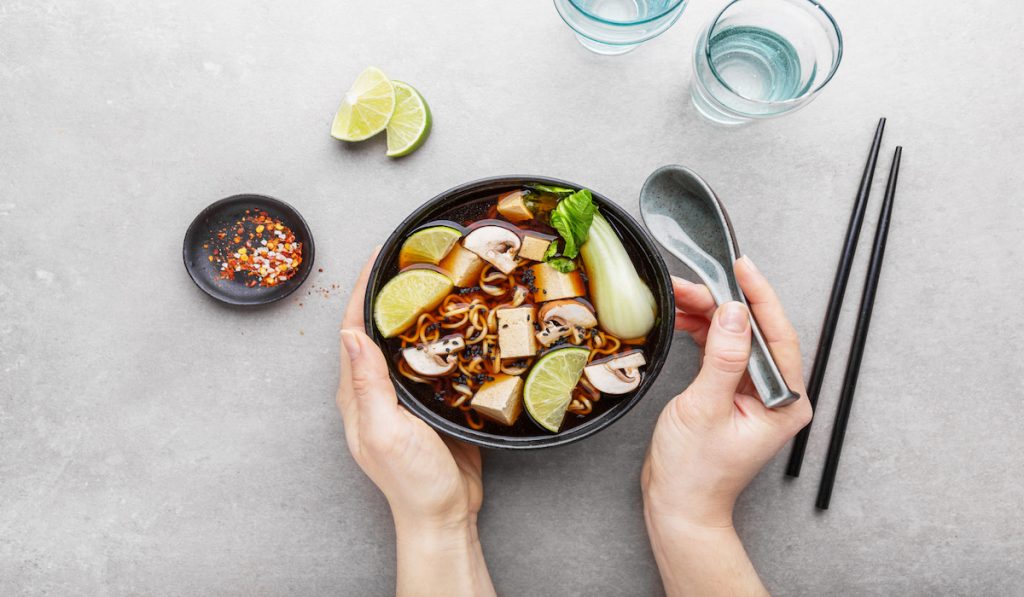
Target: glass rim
(674,5)
(832,71)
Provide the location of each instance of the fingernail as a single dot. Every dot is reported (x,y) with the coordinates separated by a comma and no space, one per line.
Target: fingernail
(681,281)
(749,263)
(348,338)
(733,318)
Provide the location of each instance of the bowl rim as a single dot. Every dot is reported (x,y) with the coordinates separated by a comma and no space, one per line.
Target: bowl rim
(641,241)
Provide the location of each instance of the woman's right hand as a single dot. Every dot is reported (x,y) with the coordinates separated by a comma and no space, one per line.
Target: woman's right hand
(713,438)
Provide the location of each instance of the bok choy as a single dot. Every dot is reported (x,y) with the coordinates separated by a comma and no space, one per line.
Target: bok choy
(625,305)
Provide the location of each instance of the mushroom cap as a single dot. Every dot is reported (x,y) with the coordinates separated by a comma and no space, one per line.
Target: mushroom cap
(436,358)
(560,317)
(617,374)
(447,345)
(628,359)
(568,311)
(496,245)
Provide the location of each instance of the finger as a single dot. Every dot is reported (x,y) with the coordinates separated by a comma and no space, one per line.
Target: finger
(771,318)
(354,312)
(353,319)
(725,358)
(345,394)
(693,299)
(694,325)
(366,384)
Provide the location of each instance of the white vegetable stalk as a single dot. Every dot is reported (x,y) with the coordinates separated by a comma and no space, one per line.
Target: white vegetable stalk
(624,304)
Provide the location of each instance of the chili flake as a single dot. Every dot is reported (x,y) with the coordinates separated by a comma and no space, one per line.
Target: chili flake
(264,251)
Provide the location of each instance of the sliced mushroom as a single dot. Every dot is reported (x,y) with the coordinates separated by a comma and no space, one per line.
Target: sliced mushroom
(560,318)
(496,245)
(437,358)
(616,374)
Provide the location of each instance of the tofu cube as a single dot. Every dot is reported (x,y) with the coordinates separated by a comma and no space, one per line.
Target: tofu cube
(534,247)
(549,284)
(463,266)
(513,207)
(500,400)
(516,333)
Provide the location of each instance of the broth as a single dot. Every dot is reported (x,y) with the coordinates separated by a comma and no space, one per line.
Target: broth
(438,396)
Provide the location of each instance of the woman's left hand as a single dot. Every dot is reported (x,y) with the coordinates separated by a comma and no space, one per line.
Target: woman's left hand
(432,484)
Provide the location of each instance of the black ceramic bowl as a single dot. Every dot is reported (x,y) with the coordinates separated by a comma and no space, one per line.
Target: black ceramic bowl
(222,213)
(418,398)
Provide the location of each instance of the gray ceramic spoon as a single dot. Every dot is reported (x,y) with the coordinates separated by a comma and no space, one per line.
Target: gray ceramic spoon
(686,217)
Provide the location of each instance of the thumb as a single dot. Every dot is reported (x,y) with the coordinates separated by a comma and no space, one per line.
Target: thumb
(365,375)
(725,356)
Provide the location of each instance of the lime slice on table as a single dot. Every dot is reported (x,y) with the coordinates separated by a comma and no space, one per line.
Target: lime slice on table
(406,296)
(366,107)
(549,385)
(409,126)
(429,245)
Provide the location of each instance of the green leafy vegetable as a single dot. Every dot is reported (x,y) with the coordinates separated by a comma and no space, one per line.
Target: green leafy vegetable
(572,219)
(543,188)
(625,305)
(562,264)
(551,251)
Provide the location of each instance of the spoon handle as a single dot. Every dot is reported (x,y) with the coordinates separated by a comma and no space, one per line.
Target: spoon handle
(765,374)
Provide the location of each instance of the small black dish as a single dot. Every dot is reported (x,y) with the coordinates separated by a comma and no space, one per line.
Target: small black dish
(641,248)
(225,212)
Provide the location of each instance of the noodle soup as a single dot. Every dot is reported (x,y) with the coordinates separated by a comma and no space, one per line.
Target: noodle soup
(519,313)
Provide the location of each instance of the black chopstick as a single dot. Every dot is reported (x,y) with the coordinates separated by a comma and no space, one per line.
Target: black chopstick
(835,301)
(860,337)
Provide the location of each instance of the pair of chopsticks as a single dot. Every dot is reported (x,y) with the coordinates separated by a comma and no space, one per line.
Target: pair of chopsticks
(835,305)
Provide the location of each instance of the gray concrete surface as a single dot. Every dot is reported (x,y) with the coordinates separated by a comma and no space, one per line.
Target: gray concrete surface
(146,447)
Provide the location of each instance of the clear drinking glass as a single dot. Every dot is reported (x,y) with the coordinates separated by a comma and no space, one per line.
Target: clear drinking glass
(764,58)
(618,26)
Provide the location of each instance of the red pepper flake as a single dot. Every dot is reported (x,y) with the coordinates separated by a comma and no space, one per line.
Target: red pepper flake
(270,255)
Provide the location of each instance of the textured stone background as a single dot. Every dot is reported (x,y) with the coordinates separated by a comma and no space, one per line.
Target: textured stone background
(154,442)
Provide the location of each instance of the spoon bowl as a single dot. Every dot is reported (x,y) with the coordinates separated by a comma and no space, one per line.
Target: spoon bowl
(686,218)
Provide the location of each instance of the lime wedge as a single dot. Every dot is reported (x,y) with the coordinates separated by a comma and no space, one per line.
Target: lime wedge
(549,385)
(366,107)
(410,124)
(429,245)
(406,296)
